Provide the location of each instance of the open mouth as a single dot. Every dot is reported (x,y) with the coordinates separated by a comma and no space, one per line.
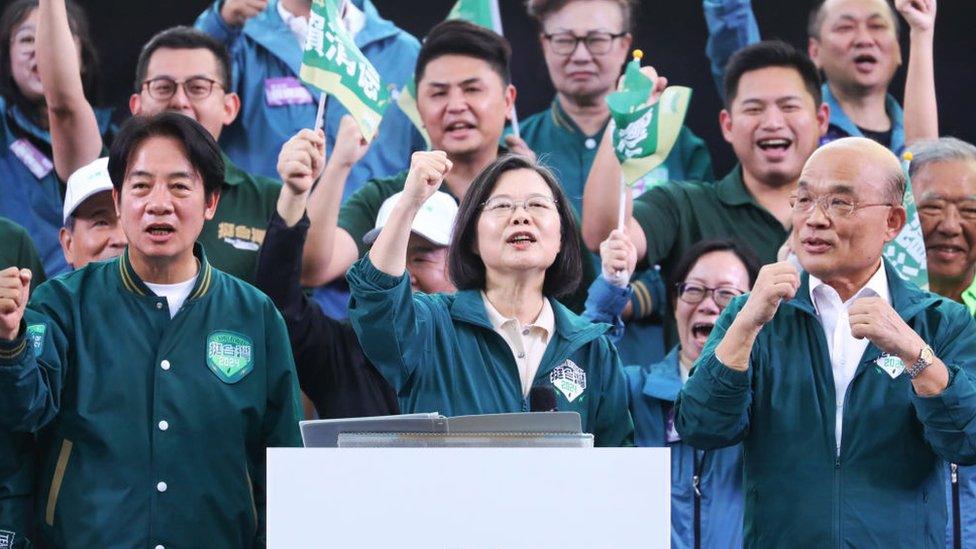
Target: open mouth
(160,230)
(521,240)
(774,144)
(865,62)
(459,127)
(701,330)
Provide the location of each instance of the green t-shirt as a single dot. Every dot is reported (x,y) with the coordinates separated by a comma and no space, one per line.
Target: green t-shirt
(358,216)
(969,297)
(676,216)
(234,236)
(563,147)
(18,250)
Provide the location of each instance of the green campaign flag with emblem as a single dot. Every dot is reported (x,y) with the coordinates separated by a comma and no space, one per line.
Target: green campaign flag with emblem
(907,251)
(480,12)
(643,135)
(333,64)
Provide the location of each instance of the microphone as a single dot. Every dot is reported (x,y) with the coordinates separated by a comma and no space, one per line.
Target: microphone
(542,398)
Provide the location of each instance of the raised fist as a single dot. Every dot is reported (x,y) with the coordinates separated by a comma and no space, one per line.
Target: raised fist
(14,290)
(236,12)
(776,282)
(427,172)
(619,258)
(301,160)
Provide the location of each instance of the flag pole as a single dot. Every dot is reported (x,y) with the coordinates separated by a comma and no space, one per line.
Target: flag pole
(320,114)
(496,22)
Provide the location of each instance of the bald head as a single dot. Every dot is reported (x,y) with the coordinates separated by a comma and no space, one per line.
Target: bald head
(866,161)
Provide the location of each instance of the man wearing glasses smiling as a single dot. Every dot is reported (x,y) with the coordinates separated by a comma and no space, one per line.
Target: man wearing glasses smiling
(585,43)
(181,70)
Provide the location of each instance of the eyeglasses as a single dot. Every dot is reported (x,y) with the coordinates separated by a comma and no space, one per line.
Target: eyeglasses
(834,205)
(504,206)
(689,292)
(938,207)
(163,88)
(597,43)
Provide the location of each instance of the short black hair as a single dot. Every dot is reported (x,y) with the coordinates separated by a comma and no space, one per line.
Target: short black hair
(14,14)
(466,267)
(770,53)
(201,149)
(817,15)
(702,248)
(459,37)
(183,38)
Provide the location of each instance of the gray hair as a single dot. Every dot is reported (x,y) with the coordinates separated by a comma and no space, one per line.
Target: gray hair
(943,149)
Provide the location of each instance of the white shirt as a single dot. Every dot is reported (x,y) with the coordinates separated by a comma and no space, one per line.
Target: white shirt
(528,343)
(175,294)
(352,17)
(845,350)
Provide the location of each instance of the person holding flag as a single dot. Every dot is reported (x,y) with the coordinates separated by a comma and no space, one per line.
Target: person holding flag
(266,40)
(465,98)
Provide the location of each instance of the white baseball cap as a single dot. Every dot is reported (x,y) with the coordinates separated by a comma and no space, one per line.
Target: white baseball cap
(85,182)
(434,221)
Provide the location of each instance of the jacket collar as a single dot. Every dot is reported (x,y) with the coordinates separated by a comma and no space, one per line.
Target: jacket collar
(469,307)
(565,122)
(839,118)
(131,282)
(732,189)
(663,380)
(272,33)
(233,176)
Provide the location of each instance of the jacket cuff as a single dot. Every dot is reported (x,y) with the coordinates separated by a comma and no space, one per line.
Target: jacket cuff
(213,24)
(953,408)
(648,293)
(604,301)
(365,275)
(730,388)
(12,351)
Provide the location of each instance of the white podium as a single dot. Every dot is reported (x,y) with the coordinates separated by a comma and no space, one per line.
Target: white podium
(468,497)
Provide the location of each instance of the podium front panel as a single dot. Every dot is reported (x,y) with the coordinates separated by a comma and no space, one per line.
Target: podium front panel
(468,497)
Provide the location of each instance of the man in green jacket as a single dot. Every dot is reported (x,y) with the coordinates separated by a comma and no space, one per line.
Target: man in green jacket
(847,385)
(154,382)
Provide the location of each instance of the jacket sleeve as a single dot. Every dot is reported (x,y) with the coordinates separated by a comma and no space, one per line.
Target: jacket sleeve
(394,326)
(605,303)
(32,368)
(614,426)
(949,418)
(712,410)
(649,295)
(282,411)
(731,27)
(17,459)
(213,24)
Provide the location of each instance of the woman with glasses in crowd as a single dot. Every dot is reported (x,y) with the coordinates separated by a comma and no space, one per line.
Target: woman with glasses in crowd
(514,251)
(30,188)
(706,495)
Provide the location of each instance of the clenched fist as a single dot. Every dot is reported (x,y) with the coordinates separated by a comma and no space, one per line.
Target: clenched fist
(920,14)
(619,257)
(427,172)
(301,160)
(236,12)
(776,282)
(14,290)
(349,145)
(874,319)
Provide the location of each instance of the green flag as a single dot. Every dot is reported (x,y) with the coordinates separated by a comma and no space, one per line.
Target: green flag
(333,64)
(907,251)
(644,135)
(480,12)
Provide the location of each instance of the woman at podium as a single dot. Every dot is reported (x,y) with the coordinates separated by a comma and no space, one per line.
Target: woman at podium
(513,252)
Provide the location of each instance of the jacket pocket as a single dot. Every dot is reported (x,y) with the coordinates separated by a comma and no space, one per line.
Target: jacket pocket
(59,469)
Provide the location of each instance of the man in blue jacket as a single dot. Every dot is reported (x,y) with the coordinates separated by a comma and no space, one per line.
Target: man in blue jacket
(846,385)
(266,39)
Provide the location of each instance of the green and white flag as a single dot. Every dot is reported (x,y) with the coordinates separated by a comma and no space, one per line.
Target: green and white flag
(907,251)
(484,13)
(643,135)
(333,64)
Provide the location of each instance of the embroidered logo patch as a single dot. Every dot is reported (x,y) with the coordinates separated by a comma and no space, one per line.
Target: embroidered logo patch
(7,539)
(35,334)
(229,355)
(569,378)
(891,365)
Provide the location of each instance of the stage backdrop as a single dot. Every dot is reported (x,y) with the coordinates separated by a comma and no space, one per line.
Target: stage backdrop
(671,33)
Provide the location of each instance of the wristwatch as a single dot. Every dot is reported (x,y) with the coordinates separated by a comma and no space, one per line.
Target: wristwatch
(925,359)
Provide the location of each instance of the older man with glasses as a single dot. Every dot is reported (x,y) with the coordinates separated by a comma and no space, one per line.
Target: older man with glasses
(846,385)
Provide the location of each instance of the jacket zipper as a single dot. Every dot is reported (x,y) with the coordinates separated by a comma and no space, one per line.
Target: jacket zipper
(696,484)
(956,507)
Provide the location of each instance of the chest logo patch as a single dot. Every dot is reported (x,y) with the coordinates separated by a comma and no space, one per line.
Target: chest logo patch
(7,539)
(230,355)
(569,379)
(35,334)
(891,365)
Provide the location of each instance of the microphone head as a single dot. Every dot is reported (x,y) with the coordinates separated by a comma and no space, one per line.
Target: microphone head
(542,398)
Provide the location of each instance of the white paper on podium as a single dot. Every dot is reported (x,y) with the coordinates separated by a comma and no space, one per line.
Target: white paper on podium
(469,497)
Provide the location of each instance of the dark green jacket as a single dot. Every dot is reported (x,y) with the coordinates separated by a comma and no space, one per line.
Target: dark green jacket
(886,488)
(441,354)
(124,399)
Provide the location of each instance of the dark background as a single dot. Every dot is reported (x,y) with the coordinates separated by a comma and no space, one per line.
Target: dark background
(671,33)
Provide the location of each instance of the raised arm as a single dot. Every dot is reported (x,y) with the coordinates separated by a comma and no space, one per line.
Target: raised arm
(224,18)
(921,105)
(329,250)
(731,27)
(75,138)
